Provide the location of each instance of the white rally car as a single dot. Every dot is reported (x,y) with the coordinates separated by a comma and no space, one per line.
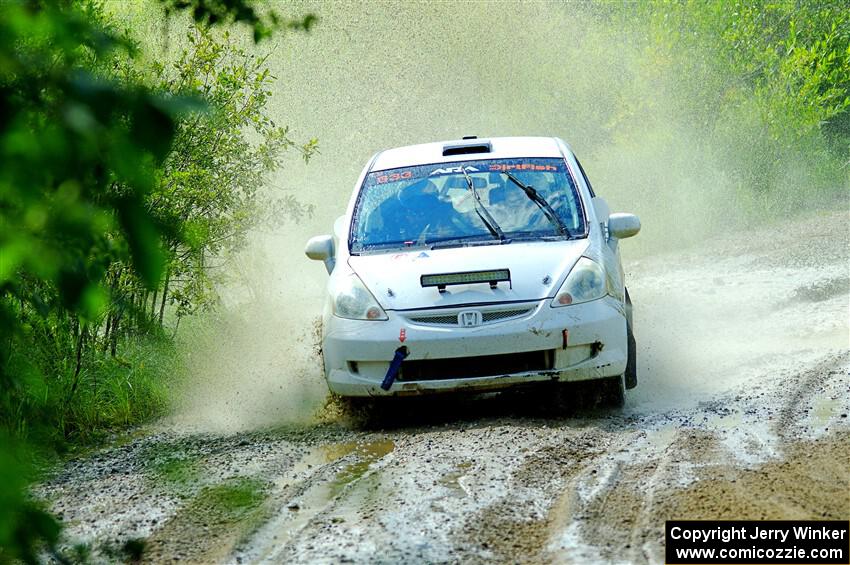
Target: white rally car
(477,264)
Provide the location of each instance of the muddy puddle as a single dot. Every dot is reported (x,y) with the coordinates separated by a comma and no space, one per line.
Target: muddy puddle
(452,479)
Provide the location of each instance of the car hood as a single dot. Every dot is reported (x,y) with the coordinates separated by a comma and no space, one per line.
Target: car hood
(536,269)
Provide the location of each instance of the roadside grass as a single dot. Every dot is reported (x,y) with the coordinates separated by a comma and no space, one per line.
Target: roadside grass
(109,394)
(230,501)
(131,551)
(226,514)
(120,392)
(177,471)
(172,466)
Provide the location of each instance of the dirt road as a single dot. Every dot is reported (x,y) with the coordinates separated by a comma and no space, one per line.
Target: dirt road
(741,412)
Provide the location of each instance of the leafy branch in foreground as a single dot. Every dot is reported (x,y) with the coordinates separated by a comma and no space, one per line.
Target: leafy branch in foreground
(263,24)
(68,136)
(119,185)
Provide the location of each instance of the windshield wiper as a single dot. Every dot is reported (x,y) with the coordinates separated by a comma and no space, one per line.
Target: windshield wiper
(482,211)
(535,197)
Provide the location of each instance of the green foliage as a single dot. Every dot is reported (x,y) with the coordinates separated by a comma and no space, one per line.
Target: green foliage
(77,398)
(717,114)
(102,140)
(209,182)
(263,24)
(77,155)
(83,251)
(23,525)
(120,186)
(769,80)
(121,391)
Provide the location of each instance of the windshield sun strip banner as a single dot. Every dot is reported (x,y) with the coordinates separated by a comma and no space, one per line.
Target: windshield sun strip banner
(549,164)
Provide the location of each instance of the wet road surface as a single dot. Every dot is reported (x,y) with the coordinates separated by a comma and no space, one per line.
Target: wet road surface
(741,411)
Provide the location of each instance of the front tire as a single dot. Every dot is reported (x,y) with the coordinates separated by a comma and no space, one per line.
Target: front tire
(631,347)
(630,375)
(613,392)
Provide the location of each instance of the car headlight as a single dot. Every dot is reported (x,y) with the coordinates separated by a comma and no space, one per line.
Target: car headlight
(353,300)
(585,282)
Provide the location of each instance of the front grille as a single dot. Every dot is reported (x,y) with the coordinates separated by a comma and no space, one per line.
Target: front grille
(436,320)
(488,317)
(481,366)
(503,315)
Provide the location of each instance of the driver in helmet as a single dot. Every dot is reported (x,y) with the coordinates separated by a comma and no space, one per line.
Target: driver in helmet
(423,214)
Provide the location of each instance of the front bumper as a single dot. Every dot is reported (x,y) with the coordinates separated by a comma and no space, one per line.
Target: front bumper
(357,353)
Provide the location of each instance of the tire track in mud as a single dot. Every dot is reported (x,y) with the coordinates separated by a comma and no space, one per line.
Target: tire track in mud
(583,488)
(618,519)
(826,384)
(585,484)
(208,494)
(517,527)
(309,493)
(637,547)
(629,502)
(613,488)
(586,488)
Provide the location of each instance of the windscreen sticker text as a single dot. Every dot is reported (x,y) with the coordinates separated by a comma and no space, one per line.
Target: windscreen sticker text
(394,177)
(418,172)
(523,167)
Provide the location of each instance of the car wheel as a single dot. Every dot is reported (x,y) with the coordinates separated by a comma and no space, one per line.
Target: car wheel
(631,345)
(613,392)
(631,360)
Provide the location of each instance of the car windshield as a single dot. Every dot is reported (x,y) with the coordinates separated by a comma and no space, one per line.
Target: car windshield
(434,205)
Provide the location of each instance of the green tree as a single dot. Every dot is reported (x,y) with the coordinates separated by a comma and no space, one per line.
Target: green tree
(209,183)
(98,213)
(768,81)
(67,136)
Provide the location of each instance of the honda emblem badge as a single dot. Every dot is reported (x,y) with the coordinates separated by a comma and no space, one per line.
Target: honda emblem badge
(469,318)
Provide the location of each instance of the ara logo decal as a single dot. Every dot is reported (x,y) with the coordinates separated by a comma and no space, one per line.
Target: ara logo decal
(451,170)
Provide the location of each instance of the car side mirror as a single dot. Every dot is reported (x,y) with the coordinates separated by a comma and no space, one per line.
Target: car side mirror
(621,226)
(321,248)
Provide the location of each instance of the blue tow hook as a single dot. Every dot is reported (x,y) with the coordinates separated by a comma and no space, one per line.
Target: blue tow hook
(395,366)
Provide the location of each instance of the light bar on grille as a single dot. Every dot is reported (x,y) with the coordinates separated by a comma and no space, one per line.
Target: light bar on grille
(471,277)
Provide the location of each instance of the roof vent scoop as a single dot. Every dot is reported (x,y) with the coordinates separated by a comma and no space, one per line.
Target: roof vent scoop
(472,145)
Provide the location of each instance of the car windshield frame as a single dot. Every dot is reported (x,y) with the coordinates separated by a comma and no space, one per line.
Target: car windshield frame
(515,165)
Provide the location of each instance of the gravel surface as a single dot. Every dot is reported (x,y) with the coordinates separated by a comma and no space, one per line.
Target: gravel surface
(741,412)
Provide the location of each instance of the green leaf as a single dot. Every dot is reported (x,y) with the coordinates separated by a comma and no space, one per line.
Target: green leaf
(143,239)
